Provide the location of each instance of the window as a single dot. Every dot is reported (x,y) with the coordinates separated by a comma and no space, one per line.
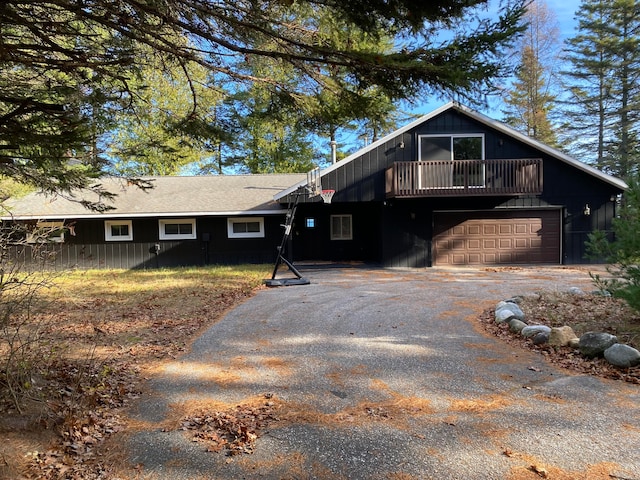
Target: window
(247,227)
(118,230)
(445,151)
(47,232)
(341,227)
(310,222)
(177,229)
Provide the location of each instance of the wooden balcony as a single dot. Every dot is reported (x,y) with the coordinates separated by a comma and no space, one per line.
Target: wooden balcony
(442,178)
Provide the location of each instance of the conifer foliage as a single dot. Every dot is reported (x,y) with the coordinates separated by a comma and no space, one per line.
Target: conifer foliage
(67,65)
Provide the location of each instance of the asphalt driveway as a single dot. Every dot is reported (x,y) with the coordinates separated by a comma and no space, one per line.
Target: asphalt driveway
(379,374)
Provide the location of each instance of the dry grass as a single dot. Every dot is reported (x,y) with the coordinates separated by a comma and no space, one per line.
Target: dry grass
(106,330)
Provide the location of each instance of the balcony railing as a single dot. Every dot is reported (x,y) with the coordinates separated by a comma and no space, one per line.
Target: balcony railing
(442,178)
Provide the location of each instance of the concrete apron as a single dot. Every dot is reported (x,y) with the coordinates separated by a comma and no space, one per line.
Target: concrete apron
(383,374)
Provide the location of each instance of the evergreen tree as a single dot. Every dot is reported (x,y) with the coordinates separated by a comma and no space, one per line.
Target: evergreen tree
(603,82)
(64,64)
(530,100)
(170,124)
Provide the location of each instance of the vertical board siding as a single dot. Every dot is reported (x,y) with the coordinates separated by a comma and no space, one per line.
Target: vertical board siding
(89,250)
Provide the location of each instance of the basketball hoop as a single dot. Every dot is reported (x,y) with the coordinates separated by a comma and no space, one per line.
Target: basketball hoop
(327,195)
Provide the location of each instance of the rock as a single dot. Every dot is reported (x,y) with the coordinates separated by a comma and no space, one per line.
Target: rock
(540,338)
(517,299)
(575,291)
(517,311)
(593,344)
(561,336)
(601,293)
(532,330)
(622,355)
(574,343)
(504,315)
(516,325)
(500,304)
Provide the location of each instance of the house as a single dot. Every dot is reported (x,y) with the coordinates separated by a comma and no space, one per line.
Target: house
(451,188)
(455,188)
(194,220)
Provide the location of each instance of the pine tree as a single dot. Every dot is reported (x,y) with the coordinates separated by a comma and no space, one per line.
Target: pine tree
(169,125)
(603,81)
(65,64)
(530,100)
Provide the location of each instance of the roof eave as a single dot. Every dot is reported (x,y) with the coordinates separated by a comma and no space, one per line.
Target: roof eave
(108,215)
(616,182)
(366,149)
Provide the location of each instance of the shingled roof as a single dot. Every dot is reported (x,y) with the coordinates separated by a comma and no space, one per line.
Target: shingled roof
(170,196)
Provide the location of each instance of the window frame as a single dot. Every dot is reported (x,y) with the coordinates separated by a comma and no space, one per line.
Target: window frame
(109,237)
(236,220)
(34,238)
(339,236)
(449,171)
(162,223)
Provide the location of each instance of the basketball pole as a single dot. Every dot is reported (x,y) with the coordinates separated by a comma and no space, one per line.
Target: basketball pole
(312,188)
(288,225)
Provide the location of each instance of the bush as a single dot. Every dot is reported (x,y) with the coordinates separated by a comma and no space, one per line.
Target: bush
(24,350)
(623,252)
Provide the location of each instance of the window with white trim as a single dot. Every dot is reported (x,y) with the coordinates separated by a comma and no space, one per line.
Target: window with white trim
(177,229)
(245,227)
(341,227)
(118,230)
(47,232)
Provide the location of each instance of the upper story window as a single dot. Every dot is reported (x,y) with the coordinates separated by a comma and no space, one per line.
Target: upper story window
(453,161)
(177,229)
(245,227)
(118,230)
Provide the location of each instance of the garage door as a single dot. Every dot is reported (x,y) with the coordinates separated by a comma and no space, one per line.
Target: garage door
(494,238)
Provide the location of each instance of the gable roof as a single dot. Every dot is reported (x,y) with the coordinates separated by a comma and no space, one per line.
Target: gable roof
(499,126)
(217,195)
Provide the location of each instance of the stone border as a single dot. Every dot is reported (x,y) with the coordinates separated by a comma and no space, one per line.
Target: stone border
(590,345)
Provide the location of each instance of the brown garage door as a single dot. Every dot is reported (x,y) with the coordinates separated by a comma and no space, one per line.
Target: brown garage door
(494,238)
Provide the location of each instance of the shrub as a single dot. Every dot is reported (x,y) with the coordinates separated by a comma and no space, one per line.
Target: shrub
(623,252)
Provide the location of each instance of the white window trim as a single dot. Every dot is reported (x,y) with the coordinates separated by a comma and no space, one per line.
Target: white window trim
(118,238)
(335,236)
(231,221)
(164,236)
(40,235)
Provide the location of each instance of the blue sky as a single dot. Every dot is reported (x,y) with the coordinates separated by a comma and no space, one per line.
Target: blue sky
(564,12)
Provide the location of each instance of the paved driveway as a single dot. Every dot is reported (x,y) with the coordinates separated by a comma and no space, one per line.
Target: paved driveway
(378,374)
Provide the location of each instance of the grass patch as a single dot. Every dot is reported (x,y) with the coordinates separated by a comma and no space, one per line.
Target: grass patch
(104,330)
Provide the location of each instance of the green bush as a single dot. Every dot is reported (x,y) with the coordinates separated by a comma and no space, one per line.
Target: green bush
(623,252)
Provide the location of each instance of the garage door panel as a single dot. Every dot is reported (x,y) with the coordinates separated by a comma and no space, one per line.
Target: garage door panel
(505,237)
(505,243)
(490,243)
(489,229)
(474,244)
(521,243)
(505,229)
